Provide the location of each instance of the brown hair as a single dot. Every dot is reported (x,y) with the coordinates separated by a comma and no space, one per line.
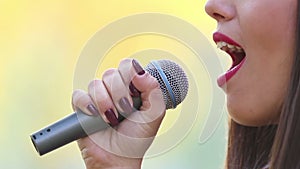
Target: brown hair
(286,147)
(276,145)
(249,147)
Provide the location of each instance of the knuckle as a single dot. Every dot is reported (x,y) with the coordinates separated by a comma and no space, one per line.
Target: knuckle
(154,82)
(151,82)
(125,61)
(109,72)
(94,84)
(76,94)
(83,101)
(80,97)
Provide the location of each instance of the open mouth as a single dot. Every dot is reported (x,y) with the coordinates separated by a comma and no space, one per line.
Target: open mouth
(236,52)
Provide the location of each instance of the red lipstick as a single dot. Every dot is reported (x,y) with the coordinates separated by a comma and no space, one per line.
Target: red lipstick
(235,51)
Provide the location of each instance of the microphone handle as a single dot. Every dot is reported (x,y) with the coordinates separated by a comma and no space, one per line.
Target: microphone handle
(71,128)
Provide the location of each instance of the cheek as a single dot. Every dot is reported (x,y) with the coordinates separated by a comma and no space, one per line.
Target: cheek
(255,97)
(270,25)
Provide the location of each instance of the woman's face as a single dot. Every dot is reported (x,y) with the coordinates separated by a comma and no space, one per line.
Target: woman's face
(259,36)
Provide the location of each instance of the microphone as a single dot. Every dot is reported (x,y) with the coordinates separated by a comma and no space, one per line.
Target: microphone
(173,84)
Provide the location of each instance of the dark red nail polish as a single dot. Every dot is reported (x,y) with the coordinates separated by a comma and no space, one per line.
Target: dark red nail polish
(93,109)
(138,68)
(134,91)
(111,117)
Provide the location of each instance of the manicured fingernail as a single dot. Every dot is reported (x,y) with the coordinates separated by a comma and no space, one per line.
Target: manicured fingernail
(138,68)
(111,117)
(93,109)
(134,91)
(125,105)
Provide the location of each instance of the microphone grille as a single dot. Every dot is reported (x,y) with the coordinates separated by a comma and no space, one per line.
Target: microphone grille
(172,80)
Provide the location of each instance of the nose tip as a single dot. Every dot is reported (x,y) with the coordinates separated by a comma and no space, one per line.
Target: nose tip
(219,10)
(209,8)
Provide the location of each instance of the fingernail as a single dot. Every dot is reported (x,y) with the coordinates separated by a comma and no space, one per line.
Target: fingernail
(134,91)
(111,117)
(138,68)
(125,105)
(93,109)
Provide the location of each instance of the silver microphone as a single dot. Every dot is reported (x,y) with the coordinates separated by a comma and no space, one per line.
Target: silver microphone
(173,84)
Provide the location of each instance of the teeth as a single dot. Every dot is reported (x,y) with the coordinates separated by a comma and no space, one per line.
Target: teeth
(219,45)
(229,47)
(224,43)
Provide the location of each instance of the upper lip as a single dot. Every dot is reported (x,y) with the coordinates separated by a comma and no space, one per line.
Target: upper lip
(236,57)
(221,37)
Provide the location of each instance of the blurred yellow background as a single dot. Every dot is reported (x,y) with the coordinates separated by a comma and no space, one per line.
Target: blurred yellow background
(40,42)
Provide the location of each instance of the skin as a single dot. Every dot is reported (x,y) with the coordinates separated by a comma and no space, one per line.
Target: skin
(120,146)
(265,29)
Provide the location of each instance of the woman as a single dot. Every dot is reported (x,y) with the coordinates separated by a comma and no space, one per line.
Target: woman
(262,89)
(261,95)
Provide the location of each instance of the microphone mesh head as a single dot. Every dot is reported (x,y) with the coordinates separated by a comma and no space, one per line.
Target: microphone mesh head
(176,78)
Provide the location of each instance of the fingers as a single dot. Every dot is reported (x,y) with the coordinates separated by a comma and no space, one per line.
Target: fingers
(141,81)
(128,68)
(111,95)
(114,93)
(146,122)
(81,100)
(103,102)
(133,74)
(118,91)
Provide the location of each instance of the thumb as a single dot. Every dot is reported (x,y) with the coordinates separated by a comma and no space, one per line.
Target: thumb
(133,136)
(145,122)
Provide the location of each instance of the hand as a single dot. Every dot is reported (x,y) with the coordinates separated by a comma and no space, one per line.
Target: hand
(124,144)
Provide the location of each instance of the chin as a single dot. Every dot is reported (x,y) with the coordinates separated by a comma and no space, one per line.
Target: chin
(246,116)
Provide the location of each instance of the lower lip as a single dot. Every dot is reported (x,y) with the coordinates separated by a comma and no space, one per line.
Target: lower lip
(224,78)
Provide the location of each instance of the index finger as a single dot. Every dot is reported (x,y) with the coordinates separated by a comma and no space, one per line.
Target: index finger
(127,71)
